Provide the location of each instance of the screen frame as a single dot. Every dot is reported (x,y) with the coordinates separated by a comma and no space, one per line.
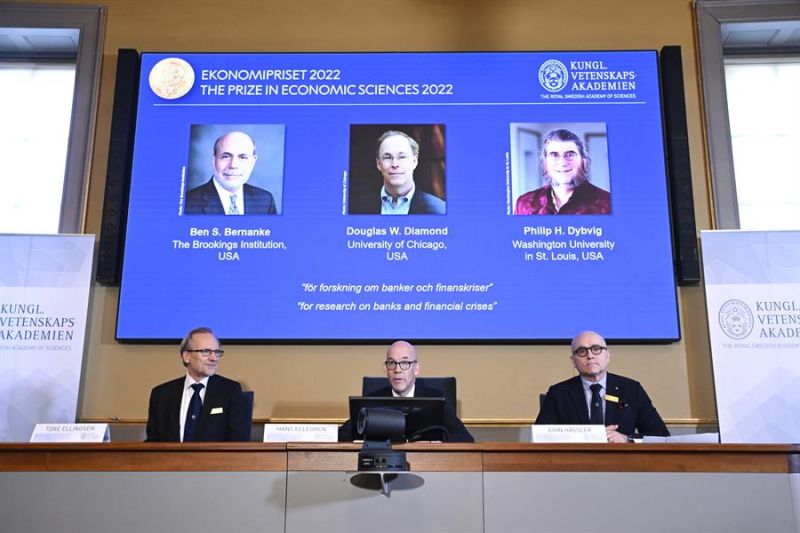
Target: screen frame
(457,341)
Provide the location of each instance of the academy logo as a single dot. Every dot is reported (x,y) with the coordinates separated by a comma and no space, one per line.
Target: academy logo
(553,75)
(736,319)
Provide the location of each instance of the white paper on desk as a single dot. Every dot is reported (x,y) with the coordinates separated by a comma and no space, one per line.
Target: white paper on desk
(301,433)
(696,438)
(565,433)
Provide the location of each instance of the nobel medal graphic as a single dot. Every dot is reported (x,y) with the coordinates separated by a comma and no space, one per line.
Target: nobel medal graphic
(171,78)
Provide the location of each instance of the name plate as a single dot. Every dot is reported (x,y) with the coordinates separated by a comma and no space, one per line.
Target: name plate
(71,433)
(568,433)
(301,433)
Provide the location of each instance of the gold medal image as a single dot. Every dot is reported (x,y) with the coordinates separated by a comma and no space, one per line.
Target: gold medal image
(171,78)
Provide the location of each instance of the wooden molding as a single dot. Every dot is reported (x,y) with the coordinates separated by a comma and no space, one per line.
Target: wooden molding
(422,457)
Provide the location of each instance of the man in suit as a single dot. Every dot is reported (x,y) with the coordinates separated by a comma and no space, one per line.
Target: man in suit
(227,192)
(402,367)
(597,397)
(397,156)
(201,406)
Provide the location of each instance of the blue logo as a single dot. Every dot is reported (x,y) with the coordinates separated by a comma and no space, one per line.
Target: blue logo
(553,75)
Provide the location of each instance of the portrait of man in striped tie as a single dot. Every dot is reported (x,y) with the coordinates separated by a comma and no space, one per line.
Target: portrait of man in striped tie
(227,192)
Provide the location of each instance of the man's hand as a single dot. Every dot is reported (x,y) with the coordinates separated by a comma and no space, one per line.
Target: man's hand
(615,436)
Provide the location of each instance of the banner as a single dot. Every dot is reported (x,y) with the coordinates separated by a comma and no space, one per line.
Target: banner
(752,282)
(44,299)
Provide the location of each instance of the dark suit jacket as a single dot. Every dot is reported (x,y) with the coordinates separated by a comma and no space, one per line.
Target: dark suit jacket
(458,432)
(204,200)
(232,424)
(565,403)
(422,203)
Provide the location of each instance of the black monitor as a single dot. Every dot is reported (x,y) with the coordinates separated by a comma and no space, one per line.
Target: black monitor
(480,186)
(424,416)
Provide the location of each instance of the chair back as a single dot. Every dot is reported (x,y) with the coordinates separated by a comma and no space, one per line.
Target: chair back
(248,398)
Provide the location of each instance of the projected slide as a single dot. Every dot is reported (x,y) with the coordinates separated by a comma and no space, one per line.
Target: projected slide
(375,196)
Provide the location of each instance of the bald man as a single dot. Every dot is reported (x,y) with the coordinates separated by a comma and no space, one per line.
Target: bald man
(621,404)
(227,192)
(402,367)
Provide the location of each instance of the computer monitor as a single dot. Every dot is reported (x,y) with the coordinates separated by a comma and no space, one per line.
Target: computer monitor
(424,416)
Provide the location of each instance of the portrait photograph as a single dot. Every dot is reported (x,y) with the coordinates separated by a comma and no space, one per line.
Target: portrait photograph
(397,169)
(234,169)
(559,169)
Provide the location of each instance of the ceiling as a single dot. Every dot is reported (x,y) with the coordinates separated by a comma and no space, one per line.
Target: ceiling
(772,37)
(737,38)
(39,42)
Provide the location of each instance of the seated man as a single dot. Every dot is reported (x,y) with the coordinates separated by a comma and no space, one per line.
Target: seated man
(597,397)
(402,367)
(200,406)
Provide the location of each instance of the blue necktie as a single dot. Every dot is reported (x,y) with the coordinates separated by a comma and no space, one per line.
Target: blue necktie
(596,409)
(193,414)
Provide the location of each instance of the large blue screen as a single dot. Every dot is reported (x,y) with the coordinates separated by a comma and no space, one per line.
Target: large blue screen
(259,182)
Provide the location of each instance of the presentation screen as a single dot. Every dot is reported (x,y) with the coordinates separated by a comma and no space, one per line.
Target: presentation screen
(367,197)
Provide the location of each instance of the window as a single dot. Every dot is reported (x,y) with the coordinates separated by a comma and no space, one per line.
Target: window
(34,37)
(36,106)
(764,112)
(729,30)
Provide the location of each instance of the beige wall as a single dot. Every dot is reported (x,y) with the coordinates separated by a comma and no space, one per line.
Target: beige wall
(312,382)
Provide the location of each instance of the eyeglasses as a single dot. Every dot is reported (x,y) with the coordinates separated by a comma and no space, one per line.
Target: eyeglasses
(583,351)
(206,352)
(567,156)
(404,365)
(387,159)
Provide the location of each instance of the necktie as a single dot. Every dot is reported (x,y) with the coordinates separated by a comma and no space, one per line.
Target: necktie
(596,410)
(193,414)
(233,210)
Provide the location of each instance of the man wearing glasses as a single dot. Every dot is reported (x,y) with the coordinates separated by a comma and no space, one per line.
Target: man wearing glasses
(567,191)
(402,367)
(397,156)
(201,406)
(597,397)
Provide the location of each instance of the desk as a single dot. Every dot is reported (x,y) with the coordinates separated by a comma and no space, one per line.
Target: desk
(491,487)
(641,488)
(450,500)
(134,488)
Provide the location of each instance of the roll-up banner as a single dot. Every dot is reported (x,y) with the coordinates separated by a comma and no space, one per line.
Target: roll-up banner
(44,300)
(752,281)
